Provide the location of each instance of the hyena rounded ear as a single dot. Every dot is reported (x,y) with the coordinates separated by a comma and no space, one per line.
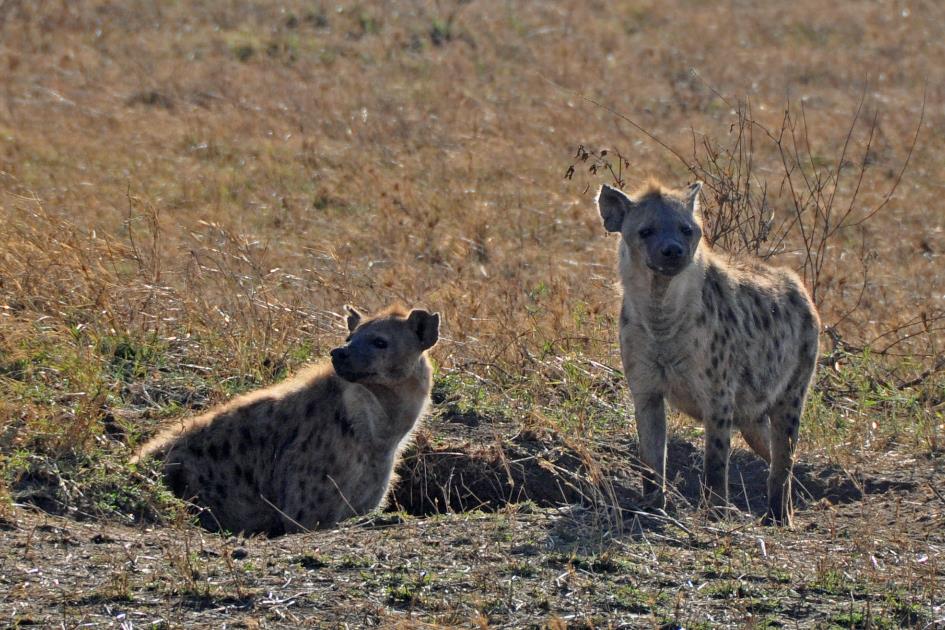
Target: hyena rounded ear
(353,319)
(426,327)
(692,196)
(613,205)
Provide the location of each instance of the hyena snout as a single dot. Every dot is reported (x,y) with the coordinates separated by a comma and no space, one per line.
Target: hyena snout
(345,366)
(668,257)
(671,251)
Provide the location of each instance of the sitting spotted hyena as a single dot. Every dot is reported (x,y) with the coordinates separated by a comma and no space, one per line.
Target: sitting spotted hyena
(731,343)
(315,449)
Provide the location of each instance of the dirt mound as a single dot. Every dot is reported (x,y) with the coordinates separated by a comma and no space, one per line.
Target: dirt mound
(462,477)
(454,475)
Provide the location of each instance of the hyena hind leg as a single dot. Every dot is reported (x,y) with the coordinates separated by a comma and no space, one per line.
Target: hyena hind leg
(785,424)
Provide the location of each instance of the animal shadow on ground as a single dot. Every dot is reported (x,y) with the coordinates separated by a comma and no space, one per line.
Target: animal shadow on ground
(472,469)
(748,474)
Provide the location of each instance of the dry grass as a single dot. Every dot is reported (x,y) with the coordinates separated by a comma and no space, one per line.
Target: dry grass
(216,181)
(190,191)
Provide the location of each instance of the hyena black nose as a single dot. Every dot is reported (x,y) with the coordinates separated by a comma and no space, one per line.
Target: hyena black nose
(671,251)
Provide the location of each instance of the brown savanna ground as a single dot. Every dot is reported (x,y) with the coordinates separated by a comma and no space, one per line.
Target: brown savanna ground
(189,192)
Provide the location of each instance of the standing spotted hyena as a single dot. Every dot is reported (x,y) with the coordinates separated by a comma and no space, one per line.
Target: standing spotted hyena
(728,342)
(313,450)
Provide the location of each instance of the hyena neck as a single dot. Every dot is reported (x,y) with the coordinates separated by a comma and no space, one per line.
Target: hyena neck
(404,401)
(662,304)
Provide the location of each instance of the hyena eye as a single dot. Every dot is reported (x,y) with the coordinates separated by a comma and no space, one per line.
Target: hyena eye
(646,232)
(379,343)
(686,230)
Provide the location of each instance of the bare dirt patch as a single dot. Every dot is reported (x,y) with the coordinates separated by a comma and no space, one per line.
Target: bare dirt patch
(521,565)
(514,528)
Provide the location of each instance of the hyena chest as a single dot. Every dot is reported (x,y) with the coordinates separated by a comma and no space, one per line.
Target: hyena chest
(665,364)
(364,477)
(682,382)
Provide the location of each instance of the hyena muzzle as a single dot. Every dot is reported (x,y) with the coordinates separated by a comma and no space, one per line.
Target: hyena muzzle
(732,343)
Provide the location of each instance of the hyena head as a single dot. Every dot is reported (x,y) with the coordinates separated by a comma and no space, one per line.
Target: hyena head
(661,225)
(385,348)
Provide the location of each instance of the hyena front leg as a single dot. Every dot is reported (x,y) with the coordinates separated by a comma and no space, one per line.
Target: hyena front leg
(651,429)
(718,447)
